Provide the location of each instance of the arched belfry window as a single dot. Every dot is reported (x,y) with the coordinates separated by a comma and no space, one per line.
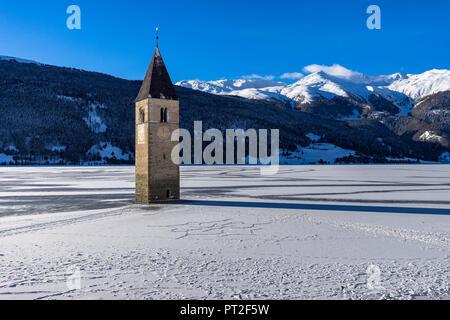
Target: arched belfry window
(165,115)
(141,116)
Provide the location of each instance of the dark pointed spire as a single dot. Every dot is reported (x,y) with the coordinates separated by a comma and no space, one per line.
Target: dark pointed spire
(157,83)
(157,37)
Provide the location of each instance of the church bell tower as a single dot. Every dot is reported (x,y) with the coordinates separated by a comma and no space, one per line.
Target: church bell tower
(157,116)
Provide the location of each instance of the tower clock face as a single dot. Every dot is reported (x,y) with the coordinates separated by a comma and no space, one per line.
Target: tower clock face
(163,133)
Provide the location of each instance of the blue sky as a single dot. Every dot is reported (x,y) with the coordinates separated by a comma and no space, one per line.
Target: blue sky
(210,39)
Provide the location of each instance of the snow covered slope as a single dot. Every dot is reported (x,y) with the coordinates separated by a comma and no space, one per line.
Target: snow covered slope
(249,89)
(228,86)
(422,85)
(320,84)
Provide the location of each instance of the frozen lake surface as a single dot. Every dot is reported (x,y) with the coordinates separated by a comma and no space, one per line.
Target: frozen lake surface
(307,232)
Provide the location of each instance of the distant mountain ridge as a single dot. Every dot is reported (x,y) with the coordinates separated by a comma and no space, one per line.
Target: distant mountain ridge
(395,88)
(57,115)
(388,99)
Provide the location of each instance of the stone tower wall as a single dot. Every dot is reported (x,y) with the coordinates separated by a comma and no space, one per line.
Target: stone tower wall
(157,177)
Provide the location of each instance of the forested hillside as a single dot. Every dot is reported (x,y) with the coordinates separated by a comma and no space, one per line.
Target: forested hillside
(55,115)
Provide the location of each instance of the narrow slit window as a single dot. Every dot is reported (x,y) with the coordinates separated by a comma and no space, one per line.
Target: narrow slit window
(141,116)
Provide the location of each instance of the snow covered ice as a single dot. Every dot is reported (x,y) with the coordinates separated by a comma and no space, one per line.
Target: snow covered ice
(308,232)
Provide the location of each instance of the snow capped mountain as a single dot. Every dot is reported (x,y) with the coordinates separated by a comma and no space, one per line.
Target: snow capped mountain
(421,85)
(392,92)
(249,89)
(323,85)
(259,94)
(228,86)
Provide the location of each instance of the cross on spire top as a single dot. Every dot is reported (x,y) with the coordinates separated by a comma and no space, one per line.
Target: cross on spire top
(157,36)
